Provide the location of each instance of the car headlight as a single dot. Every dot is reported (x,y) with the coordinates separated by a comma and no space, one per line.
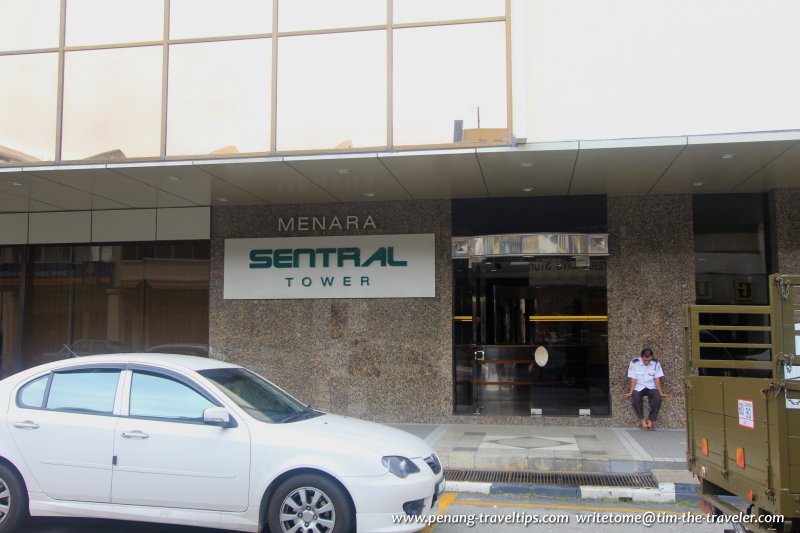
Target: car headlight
(399,466)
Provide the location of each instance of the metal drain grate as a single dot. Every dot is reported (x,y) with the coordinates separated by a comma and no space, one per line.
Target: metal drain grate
(553,478)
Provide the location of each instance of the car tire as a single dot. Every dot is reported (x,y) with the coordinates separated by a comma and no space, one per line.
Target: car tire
(313,502)
(13,500)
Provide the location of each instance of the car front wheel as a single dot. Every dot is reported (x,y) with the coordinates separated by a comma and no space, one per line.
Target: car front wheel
(309,503)
(13,501)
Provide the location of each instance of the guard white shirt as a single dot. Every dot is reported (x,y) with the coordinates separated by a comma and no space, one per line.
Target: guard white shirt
(645,374)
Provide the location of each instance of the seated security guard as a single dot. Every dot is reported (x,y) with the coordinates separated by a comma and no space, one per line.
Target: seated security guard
(645,374)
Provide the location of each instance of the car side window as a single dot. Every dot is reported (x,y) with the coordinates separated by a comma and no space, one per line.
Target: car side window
(86,390)
(32,394)
(159,396)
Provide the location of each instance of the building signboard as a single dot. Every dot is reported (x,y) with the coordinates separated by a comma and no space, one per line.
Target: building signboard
(363,266)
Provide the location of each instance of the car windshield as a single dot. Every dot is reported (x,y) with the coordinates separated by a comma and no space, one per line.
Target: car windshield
(258,397)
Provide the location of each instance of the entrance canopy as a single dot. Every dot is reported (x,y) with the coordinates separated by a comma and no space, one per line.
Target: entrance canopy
(730,163)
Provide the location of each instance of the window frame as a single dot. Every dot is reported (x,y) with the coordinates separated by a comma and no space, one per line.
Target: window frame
(65,49)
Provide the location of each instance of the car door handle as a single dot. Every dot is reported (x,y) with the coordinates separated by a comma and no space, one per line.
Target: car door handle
(136,434)
(28,424)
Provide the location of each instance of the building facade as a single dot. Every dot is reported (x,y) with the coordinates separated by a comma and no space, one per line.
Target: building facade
(405,211)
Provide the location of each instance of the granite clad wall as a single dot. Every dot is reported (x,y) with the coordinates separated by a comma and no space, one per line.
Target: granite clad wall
(390,360)
(387,360)
(650,280)
(786,230)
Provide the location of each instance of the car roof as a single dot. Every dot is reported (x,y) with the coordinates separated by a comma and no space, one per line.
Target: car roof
(189,362)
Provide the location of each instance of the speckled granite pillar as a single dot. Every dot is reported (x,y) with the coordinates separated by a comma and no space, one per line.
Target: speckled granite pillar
(382,359)
(650,280)
(786,227)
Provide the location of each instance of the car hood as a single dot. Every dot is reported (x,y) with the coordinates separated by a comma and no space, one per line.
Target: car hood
(378,438)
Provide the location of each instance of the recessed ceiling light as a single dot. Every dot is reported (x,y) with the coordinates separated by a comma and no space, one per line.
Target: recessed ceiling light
(698,183)
(15,183)
(173,178)
(528,189)
(727,156)
(526,164)
(343,171)
(370,194)
(222,199)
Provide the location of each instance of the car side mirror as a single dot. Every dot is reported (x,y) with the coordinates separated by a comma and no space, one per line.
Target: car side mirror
(218,416)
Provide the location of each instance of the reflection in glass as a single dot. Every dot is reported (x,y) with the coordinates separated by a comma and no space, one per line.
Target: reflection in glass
(531,337)
(219,98)
(731,235)
(425,10)
(212,18)
(29,24)
(11,271)
(106,299)
(28,86)
(303,15)
(332,91)
(112,104)
(121,21)
(431,94)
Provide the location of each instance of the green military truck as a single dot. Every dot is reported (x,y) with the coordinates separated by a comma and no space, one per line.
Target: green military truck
(743,408)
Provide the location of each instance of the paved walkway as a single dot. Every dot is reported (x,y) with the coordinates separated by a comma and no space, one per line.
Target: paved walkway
(565,449)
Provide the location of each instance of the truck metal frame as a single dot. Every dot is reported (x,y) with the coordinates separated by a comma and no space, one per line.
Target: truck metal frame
(743,404)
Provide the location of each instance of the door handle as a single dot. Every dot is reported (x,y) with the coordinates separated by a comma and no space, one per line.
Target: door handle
(136,434)
(28,424)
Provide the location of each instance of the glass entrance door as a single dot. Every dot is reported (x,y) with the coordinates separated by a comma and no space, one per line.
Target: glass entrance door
(531,336)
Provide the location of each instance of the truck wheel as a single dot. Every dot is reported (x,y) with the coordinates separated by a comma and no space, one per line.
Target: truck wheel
(309,503)
(13,500)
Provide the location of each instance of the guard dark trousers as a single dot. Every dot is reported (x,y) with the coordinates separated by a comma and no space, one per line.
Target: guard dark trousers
(654,400)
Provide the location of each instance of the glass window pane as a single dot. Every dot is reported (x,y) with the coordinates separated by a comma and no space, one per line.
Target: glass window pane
(156,396)
(332,91)
(32,394)
(425,10)
(299,15)
(12,265)
(106,299)
(258,397)
(211,18)
(219,97)
(47,320)
(112,104)
(120,21)
(732,263)
(90,391)
(431,94)
(28,87)
(29,24)
(176,295)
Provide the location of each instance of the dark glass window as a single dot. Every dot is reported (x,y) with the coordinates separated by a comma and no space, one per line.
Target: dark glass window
(531,337)
(731,249)
(91,299)
(12,273)
(563,214)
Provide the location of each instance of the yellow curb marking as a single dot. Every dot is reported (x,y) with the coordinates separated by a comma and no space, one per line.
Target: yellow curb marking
(449,498)
(445,501)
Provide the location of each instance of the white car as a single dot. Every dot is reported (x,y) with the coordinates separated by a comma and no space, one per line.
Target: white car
(178,439)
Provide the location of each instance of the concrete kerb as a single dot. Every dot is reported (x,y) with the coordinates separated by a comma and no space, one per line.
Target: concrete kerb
(665,493)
